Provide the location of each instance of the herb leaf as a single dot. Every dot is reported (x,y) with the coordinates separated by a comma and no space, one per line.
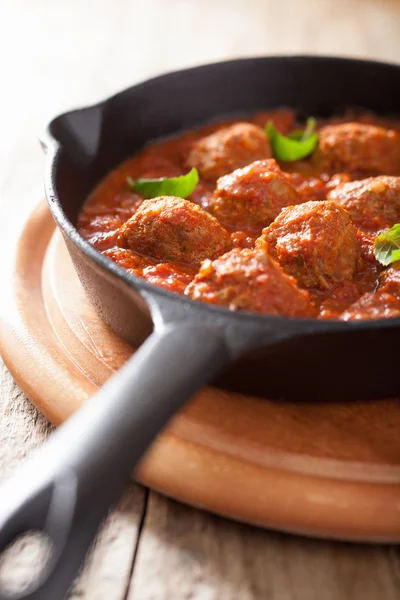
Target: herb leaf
(181,186)
(302,135)
(297,145)
(387,246)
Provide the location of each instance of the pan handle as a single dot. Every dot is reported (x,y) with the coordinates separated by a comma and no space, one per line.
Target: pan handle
(68,486)
(78,132)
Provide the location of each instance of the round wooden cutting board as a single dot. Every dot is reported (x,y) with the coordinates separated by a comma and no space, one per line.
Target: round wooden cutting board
(323,469)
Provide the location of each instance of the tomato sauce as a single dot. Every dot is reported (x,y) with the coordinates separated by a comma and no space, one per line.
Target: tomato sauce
(111,205)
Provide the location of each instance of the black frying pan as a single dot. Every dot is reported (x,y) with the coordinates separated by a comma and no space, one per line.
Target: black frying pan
(69,485)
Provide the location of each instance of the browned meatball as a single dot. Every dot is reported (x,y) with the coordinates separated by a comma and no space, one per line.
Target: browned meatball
(228,149)
(315,242)
(373,203)
(174,229)
(389,281)
(378,305)
(250,198)
(249,280)
(359,147)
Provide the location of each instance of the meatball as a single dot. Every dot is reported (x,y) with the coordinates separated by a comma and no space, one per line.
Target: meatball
(249,280)
(389,281)
(228,149)
(373,203)
(315,242)
(359,147)
(378,305)
(253,196)
(173,229)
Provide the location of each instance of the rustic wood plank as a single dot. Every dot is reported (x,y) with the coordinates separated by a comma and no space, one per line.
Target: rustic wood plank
(188,554)
(107,571)
(22,427)
(108,568)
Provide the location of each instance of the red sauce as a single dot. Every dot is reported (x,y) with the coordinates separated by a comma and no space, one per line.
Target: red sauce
(110,205)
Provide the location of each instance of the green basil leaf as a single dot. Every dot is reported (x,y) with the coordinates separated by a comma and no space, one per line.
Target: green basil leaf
(302,135)
(296,146)
(296,135)
(181,186)
(387,246)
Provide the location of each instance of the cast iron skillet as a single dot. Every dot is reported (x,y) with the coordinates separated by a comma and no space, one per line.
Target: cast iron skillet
(68,486)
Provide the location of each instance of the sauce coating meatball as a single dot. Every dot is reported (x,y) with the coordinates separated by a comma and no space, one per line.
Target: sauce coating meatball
(253,196)
(378,305)
(100,230)
(389,280)
(359,147)
(228,149)
(315,242)
(373,203)
(173,229)
(171,276)
(249,280)
(131,261)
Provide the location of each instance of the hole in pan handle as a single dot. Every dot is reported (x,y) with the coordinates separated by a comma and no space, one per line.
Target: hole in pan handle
(68,486)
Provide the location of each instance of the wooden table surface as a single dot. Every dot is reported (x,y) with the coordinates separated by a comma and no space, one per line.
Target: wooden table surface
(56,55)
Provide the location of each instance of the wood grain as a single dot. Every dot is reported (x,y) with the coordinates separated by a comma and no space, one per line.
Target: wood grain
(108,568)
(109,565)
(227,561)
(70,53)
